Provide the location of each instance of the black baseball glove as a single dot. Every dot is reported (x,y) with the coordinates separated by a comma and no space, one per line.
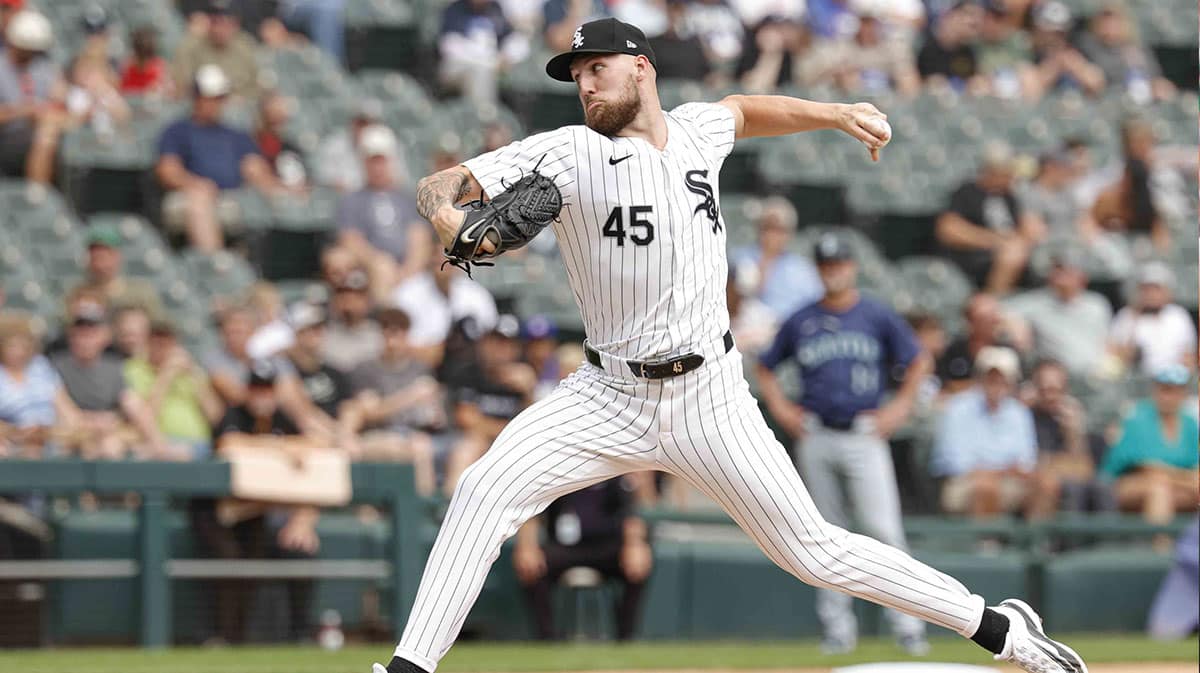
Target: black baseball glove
(509,220)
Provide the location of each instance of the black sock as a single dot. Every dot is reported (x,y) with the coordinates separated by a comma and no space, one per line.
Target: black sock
(399,665)
(993,629)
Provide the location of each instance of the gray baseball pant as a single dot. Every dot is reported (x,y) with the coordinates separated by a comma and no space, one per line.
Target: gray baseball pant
(861,460)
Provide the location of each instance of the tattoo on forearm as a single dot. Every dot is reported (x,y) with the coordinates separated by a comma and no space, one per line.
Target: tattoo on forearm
(438,190)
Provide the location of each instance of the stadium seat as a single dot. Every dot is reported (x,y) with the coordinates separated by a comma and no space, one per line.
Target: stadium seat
(221,274)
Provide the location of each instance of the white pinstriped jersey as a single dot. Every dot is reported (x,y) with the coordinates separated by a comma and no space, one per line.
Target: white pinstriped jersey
(641,232)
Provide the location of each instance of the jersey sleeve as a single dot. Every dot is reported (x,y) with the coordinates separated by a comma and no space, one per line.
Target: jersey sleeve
(901,342)
(712,125)
(782,346)
(552,153)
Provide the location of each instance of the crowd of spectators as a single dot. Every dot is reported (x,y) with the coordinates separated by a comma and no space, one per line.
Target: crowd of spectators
(409,360)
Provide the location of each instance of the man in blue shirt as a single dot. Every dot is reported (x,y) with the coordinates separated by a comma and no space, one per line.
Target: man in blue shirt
(986,445)
(784,281)
(199,157)
(845,347)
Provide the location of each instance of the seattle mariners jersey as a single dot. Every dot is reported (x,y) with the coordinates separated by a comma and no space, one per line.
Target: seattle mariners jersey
(844,358)
(640,233)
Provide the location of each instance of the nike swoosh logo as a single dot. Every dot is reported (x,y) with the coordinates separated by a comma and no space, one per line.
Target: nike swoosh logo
(613,161)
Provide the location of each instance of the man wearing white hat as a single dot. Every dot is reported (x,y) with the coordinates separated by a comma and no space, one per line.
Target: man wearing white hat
(31,92)
(1153,332)
(379,223)
(986,446)
(199,157)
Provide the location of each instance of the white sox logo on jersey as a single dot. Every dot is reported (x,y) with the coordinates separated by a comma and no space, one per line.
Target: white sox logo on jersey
(709,205)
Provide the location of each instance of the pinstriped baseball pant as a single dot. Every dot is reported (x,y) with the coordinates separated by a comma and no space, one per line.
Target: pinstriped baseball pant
(704,427)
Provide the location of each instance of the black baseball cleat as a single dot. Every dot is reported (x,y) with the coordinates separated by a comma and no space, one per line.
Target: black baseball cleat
(1027,646)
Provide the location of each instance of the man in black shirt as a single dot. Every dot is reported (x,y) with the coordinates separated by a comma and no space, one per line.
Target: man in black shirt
(1064,446)
(592,528)
(985,230)
(245,531)
(498,390)
(325,387)
(948,53)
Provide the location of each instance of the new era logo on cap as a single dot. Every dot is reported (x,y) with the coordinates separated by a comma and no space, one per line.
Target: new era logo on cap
(603,36)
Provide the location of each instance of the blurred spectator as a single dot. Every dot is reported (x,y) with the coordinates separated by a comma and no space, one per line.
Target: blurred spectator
(985,229)
(560,18)
(831,19)
(1064,452)
(146,73)
(246,531)
(495,393)
(131,333)
(199,156)
(177,391)
(223,45)
(273,332)
(596,527)
(1111,42)
(97,46)
(1004,54)
(397,399)
(1175,613)
(270,136)
(34,405)
(540,335)
(339,163)
(379,224)
(783,280)
(986,447)
(1069,322)
(867,61)
(476,44)
(1128,206)
(1059,65)
(1152,332)
(776,54)
(1153,464)
(32,91)
(229,364)
(1050,198)
(93,98)
(932,338)
(323,389)
(352,337)
(948,52)
(752,322)
(114,422)
(324,21)
(718,27)
(437,299)
(103,274)
(678,52)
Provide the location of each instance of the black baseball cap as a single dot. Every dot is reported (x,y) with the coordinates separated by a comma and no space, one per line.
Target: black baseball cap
(603,36)
(831,247)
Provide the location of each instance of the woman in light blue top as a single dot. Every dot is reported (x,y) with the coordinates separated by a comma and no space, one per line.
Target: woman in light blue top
(1154,463)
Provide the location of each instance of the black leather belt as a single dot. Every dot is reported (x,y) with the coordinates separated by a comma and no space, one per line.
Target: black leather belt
(660,369)
(833,424)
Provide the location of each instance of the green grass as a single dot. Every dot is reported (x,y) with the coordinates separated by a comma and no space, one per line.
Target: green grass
(533,658)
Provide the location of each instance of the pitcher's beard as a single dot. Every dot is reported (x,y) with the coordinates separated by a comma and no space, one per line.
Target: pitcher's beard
(610,117)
